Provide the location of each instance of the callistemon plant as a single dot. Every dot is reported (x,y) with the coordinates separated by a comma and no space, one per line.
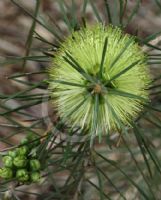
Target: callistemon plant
(99,79)
(95,66)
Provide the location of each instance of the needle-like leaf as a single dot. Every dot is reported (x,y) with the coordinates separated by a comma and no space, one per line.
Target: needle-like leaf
(108,11)
(122,72)
(96,12)
(103,57)
(121,52)
(73,63)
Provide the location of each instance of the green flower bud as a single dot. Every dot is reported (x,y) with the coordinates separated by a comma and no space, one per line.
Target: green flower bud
(33,153)
(7,161)
(12,154)
(22,175)
(31,136)
(35,177)
(24,141)
(6,173)
(22,150)
(20,161)
(33,139)
(35,165)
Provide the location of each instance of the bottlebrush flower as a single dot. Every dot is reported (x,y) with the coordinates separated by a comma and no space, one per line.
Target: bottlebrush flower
(99,79)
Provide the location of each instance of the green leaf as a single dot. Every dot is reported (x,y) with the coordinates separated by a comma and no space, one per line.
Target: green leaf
(156,78)
(158,3)
(27,192)
(63,11)
(96,11)
(150,45)
(115,9)
(108,11)
(31,32)
(133,13)
(152,108)
(95,186)
(127,94)
(19,59)
(122,72)
(151,55)
(152,155)
(154,58)
(103,57)
(139,168)
(143,146)
(23,92)
(152,122)
(77,163)
(155,93)
(73,63)
(121,52)
(17,75)
(19,126)
(122,10)
(112,163)
(85,3)
(94,126)
(110,181)
(19,112)
(153,119)
(74,15)
(151,37)
(44,40)
(100,181)
(68,83)
(51,30)
(22,107)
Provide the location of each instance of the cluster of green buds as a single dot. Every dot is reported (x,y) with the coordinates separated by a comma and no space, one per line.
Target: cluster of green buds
(22,163)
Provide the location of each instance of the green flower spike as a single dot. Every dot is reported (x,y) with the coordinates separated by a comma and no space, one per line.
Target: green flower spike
(99,79)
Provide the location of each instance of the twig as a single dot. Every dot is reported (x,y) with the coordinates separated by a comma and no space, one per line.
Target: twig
(152,42)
